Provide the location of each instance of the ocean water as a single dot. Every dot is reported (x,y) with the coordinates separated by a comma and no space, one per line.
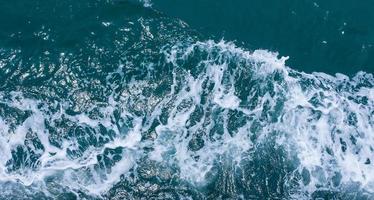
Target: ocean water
(130,99)
(334,36)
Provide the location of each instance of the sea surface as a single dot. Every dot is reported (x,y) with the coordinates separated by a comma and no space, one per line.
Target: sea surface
(186,99)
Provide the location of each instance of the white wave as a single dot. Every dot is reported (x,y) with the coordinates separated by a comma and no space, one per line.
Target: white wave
(326,121)
(328,141)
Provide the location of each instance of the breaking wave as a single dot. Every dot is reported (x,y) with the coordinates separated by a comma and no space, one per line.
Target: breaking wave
(190,118)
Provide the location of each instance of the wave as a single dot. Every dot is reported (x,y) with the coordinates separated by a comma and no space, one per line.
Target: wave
(192,118)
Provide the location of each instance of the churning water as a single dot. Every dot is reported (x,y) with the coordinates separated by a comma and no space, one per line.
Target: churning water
(115,100)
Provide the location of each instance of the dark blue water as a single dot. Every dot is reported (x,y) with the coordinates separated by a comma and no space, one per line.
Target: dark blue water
(122,99)
(327,36)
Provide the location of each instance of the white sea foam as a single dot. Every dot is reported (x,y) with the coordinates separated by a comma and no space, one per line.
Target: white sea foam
(326,121)
(329,142)
(146,3)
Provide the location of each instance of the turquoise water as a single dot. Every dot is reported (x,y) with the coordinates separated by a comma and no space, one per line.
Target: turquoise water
(183,99)
(328,36)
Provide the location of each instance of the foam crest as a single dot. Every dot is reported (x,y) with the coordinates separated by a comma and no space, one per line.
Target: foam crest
(326,119)
(204,113)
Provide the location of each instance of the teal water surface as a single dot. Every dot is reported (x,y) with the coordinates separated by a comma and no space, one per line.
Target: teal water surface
(327,36)
(138,99)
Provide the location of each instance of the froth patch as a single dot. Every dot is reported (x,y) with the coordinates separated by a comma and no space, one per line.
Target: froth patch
(204,112)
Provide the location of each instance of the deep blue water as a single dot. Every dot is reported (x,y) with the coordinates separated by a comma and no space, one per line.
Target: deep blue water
(129,99)
(328,36)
